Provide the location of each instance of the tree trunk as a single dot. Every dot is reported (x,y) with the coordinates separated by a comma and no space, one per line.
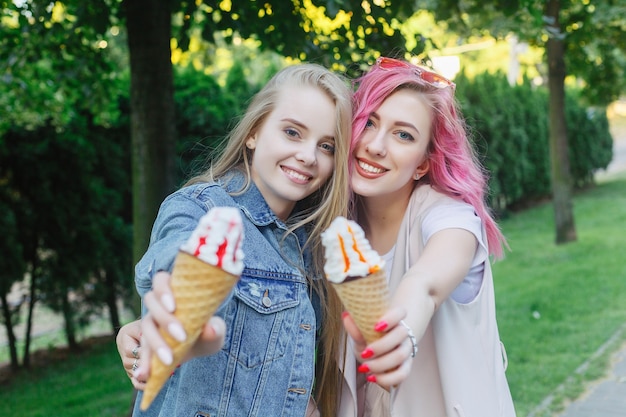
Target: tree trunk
(68,320)
(32,299)
(148,23)
(559,149)
(111,299)
(8,324)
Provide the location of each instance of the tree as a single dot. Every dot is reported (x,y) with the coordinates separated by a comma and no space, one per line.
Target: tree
(11,269)
(153,135)
(584,39)
(559,149)
(63,202)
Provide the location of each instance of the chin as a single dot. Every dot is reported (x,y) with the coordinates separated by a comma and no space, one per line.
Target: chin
(366,191)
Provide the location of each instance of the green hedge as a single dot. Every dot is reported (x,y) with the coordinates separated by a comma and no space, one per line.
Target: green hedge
(510,131)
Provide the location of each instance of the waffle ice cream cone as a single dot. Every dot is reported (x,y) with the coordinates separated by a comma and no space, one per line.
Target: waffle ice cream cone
(205,271)
(356,272)
(366,299)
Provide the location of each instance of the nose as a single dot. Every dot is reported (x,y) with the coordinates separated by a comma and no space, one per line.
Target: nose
(375,144)
(307,153)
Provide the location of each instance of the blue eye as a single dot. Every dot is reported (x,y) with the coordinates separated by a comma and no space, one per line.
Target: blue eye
(292,132)
(328,147)
(369,123)
(405,136)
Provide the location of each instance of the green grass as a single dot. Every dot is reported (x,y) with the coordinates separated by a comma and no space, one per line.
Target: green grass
(557,305)
(89,383)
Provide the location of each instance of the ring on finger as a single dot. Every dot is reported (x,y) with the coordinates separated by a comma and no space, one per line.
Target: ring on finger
(135,365)
(135,352)
(411,337)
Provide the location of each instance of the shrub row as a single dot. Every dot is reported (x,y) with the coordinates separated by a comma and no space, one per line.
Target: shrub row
(510,130)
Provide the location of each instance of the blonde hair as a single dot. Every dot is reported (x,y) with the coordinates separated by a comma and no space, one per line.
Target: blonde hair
(315,212)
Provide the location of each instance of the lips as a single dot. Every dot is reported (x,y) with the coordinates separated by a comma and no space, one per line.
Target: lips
(369,169)
(297,176)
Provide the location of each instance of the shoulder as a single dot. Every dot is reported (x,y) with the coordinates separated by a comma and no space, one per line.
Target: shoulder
(437,211)
(203,196)
(425,198)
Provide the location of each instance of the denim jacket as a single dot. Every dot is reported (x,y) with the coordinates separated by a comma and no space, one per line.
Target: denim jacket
(266,366)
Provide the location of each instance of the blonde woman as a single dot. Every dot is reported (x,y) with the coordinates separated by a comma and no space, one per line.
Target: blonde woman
(285,167)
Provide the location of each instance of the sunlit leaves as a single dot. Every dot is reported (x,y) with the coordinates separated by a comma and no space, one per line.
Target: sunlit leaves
(594,33)
(53,61)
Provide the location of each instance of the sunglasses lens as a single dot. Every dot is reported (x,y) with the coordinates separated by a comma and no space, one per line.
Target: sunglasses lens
(425,74)
(435,79)
(390,63)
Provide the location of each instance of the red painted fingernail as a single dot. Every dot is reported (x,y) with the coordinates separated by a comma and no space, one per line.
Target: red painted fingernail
(380,326)
(367,353)
(371,378)
(364,368)
(344,314)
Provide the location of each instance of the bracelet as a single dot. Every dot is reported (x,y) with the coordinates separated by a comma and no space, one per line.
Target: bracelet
(411,337)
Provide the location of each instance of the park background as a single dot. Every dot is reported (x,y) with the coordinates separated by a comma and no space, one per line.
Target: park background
(107,106)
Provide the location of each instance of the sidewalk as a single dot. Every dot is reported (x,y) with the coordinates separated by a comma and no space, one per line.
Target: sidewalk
(604,398)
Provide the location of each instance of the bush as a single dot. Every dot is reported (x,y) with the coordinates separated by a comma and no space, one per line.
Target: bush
(510,131)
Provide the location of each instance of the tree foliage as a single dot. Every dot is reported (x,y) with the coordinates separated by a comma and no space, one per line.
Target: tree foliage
(594,33)
(331,31)
(54,62)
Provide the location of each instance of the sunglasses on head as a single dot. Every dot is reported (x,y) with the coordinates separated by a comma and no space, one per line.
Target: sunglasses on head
(423,73)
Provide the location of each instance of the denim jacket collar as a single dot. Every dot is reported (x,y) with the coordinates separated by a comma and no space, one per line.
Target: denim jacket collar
(251,201)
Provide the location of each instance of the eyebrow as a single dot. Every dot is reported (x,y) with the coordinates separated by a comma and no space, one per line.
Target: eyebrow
(398,123)
(295,122)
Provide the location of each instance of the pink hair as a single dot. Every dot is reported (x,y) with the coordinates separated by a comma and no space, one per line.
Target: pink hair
(454,167)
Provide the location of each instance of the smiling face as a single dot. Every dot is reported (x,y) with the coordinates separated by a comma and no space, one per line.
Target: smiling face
(294,148)
(392,150)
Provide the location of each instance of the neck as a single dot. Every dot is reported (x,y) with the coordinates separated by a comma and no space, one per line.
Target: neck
(380,218)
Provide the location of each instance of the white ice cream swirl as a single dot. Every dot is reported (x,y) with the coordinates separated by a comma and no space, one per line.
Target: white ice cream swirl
(348,252)
(218,238)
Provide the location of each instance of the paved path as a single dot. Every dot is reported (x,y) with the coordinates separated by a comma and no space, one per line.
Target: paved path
(604,398)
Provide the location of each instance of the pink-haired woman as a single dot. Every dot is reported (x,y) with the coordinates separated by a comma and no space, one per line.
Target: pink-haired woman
(419,194)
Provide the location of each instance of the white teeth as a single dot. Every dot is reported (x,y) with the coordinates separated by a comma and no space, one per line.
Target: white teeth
(370,169)
(296,175)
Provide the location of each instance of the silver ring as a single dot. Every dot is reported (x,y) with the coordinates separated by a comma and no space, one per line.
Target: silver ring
(411,337)
(135,352)
(135,365)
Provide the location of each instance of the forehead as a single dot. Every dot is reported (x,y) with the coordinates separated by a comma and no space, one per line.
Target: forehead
(308,105)
(406,105)
(303,95)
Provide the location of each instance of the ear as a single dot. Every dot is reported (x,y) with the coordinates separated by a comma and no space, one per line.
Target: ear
(251,142)
(422,169)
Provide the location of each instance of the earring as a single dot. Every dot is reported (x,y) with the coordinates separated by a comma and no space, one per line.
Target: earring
(417,177)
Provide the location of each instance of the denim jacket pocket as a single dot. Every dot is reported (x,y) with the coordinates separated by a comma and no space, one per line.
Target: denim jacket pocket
(262,317)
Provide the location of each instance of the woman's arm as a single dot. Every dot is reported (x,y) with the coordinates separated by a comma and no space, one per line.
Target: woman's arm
(442,266)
